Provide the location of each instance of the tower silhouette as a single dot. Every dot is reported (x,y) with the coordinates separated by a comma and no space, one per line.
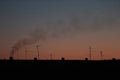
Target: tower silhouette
(26,53)
(37,47)
(90,52)
(51,56)
(101,55)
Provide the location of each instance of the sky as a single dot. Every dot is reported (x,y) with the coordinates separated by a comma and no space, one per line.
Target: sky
(61,28)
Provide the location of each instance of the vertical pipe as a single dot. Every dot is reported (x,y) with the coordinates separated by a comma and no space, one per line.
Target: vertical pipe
(51,56)
(90,52)
(25,53)
(37,46)
(101,55)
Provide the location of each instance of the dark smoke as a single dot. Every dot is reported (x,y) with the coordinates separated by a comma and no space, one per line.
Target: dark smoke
(37,35)
(63,27)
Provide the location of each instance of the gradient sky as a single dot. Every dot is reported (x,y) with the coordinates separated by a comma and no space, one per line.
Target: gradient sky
(63,28)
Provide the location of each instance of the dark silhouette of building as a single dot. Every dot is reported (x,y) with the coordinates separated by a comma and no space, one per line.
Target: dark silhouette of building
(63,58)
(113,59)
(86,59)
(11,58)
(35,58)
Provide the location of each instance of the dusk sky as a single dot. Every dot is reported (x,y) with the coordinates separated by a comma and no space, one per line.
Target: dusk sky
(63,28)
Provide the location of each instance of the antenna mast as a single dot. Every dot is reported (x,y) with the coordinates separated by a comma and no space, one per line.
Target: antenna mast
(90,52)
(26,53)
(101,55)
(51,56)
(37,46)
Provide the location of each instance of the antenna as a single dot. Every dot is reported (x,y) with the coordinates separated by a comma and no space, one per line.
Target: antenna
(90,52)
(26,53)
(18,55)
(51,56)
(12,52)
(101,55)
(37,47)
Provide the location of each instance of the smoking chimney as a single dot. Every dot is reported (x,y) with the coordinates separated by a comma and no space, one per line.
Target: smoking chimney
(12,53)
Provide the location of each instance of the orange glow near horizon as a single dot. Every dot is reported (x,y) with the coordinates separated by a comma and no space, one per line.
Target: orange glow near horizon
(64,28)
(71,48)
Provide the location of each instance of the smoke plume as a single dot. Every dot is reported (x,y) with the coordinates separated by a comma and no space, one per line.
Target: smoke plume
(37,35)
(62,27)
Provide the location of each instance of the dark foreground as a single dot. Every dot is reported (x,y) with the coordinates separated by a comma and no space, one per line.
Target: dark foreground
(68,69)
(59,65)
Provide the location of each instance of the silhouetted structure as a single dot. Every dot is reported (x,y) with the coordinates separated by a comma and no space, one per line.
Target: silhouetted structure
(26,53)
(101,55)
(35,58)
(113,59)
(90,52)
(86,59)
(51,56)
(37,46)
(11,58)
(62,58)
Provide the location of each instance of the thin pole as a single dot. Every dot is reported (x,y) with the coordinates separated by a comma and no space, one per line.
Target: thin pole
(37,46)
(25,53)
(51,56)
(101,54)
(90,52)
